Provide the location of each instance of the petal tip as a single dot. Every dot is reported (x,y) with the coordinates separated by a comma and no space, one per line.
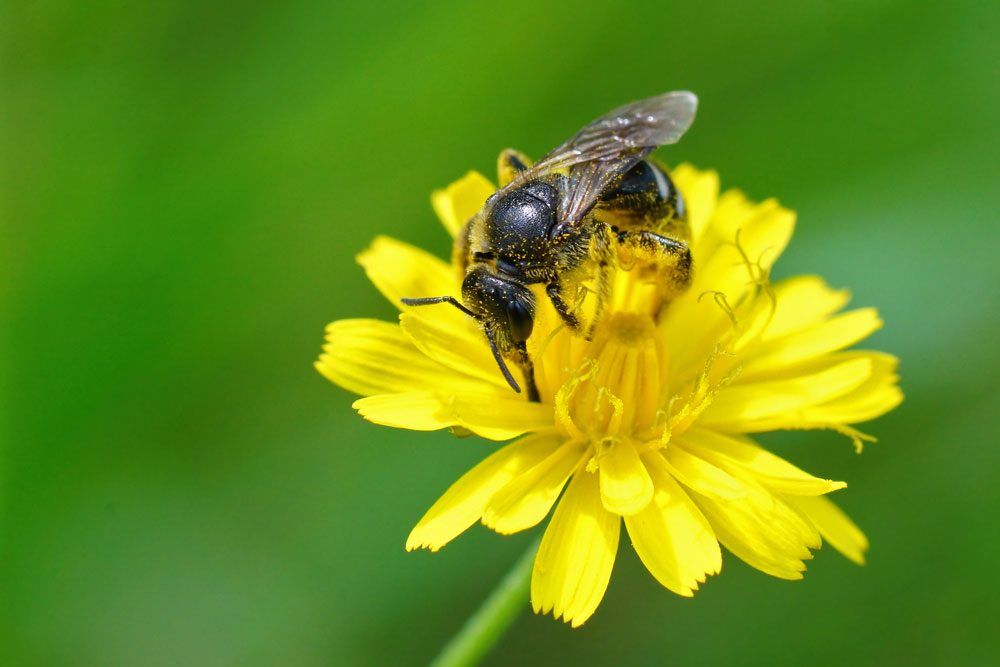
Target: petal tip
(415,542)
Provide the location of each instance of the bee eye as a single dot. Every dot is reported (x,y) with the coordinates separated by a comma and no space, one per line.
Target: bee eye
(520,319)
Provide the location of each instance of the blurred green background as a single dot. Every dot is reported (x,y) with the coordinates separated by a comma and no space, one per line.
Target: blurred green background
(184,188)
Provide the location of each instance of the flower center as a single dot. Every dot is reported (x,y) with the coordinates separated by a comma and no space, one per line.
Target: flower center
(617,389)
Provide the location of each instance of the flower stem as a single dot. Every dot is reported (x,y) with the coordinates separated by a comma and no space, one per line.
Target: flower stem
(484,628)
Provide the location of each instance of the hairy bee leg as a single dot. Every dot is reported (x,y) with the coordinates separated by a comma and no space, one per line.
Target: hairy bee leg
(511,163)
(603,255)
(603,295)
(554,290)
(671,259)
(460,249)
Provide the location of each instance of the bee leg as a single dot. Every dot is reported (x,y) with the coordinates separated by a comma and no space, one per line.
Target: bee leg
(603,255)
(554,290)
(510,164)
(668,260)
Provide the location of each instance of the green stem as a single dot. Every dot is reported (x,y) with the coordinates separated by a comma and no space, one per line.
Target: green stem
(484,628)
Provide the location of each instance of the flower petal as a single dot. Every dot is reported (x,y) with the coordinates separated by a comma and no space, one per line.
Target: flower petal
(739,406)
(498,418)
(878,395)
(742,242)
(574,561)
(415,410)
(671,536)
(453,340)
(485,414)
(771,471)
(401,270)
(441,331)
(701,191)
(461,200)
(371,357)
(801,302)
(761,530)
(741,231)
(699,475)
(462,504)
(526,499)
(835,526)
(823,338)
(626,487)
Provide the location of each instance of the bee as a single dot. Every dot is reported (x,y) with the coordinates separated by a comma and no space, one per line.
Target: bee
(569,217)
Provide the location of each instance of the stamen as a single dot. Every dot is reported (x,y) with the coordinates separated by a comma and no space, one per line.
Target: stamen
(858,438)
(617,407)
(721,302)
(624,367)
(702,394)
(565,394)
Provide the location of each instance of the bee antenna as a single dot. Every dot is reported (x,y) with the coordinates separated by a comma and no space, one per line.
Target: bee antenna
(499,359)
(431,300)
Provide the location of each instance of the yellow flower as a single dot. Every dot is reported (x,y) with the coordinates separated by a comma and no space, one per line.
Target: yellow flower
(647,422)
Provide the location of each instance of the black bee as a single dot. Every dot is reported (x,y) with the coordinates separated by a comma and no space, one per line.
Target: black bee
(568,218)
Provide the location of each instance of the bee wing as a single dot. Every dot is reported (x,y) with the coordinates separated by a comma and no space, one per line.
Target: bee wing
(605,149)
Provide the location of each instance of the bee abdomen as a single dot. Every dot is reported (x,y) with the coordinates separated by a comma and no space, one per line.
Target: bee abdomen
(645,196)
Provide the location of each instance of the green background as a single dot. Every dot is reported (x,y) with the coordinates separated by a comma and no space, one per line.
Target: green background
(184,188)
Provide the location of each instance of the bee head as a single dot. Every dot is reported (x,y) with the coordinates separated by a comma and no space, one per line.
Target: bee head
(506,311)
(505,306)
